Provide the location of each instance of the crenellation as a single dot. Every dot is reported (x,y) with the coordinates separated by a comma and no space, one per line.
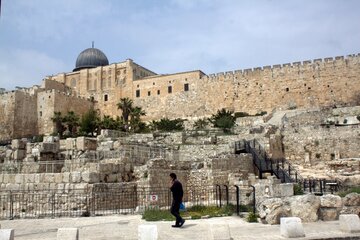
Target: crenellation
(329,59)
(276,66)
(306,62)
(339,58)
(318,60)
(296,63)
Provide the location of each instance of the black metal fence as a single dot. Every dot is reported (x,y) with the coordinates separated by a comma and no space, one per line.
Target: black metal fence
(285,171)
(108,201)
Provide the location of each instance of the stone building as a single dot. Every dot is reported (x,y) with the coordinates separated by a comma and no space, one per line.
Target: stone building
(307,84)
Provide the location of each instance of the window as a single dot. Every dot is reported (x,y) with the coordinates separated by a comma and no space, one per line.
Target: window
(105,97)
(158,92)
(40,113)
(138,93)
(169,89)
(287,89)
(149,93)
(186,87)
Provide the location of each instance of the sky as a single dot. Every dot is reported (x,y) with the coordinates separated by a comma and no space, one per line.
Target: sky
(39,38)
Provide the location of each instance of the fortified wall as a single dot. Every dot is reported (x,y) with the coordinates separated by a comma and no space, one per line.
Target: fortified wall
(27,112)
(322,82)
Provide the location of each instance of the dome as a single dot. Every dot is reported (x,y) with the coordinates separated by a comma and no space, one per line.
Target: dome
(91,58)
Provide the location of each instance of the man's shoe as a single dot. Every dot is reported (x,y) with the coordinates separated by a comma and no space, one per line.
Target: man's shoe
(176,226)
(182,223)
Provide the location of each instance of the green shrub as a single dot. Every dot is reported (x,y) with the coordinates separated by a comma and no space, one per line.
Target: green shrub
(223,119)
(168,125)
(351,190)
(200,124)
(252,217)
(298,189)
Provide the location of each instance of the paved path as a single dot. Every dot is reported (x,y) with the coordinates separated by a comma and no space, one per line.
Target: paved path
(125,227)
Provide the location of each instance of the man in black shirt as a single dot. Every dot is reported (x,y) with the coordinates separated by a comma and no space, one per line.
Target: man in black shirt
(177,192)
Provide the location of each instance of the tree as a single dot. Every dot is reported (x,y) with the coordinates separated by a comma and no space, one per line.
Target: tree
(135,119)
(89,122)
(223,119)
(59,126)
(72,122)
(126,106)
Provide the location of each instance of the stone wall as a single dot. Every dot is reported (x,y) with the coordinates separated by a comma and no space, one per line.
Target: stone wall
(25,123)
(298,85)
(51,101)
(7,117)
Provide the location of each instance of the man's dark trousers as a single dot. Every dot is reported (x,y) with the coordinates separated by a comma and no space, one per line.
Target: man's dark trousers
(175,208)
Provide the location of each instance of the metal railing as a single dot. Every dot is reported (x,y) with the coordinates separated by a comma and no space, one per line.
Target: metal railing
(107,201)
(285,171)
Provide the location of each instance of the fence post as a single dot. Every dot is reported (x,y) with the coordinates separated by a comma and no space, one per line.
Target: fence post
(218,186)
(53,205)
(254,203)
(237,200)
(227,194)
(11,215)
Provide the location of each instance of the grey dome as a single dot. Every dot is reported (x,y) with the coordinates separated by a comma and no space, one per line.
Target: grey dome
(91,58)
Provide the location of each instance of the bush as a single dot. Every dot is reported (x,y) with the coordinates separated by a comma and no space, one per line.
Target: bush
(351,190)
(168,125)
(298,189)
(252,217)
(200,124)
(223,119)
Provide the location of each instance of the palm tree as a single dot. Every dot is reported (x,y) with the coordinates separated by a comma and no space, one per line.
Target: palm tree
(58,120)
(72,122)
(126,106)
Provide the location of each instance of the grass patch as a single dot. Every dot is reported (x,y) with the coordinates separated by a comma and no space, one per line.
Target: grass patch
(195,212)
(350,190)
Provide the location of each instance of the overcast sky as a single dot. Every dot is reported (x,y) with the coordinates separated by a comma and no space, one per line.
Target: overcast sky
(44,37)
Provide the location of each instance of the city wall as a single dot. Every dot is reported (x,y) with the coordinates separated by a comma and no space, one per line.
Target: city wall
(322,82)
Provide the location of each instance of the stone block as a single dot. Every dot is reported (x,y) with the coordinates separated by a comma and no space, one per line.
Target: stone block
(18,144)
(7,234)
(58,177)
(19,178)
(49,147)
(220,232)
(66,177)
(147,232)
(291,227)
(331,201)
(352,199)
(70,143)
(83,144)
(8,153)
(19,154)
(29,178)
(90,177)
(75,177)
(67,234)
(349,223)
(48,177)
(37,178)
(49,139)
(35,152)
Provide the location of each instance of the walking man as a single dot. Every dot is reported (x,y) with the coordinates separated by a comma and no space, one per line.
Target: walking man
(177,192)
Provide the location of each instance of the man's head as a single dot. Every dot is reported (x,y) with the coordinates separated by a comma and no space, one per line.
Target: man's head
(173,176)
